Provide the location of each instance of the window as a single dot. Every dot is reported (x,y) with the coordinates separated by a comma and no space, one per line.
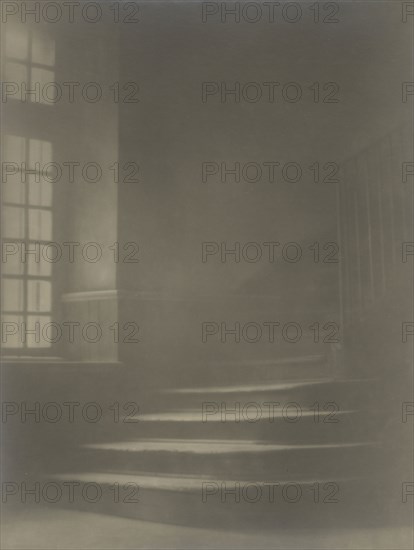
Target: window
(26,229)
(29,60)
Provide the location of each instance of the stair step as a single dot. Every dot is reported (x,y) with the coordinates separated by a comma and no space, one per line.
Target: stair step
(266,414)
(229,502)
(223,459)
(290,423)
(248,371)
(247,388)
(344,394)
(274,386)
(276,362)
(212,446)
(181,483)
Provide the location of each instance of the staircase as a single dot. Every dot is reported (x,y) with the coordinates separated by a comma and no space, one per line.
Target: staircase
(291,445)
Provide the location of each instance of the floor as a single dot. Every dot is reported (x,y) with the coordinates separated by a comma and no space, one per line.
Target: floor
(42,528)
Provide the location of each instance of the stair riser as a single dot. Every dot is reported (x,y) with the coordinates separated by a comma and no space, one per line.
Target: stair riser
(306,430)
(227,374)
(358,504)
(327,463)
(344,398)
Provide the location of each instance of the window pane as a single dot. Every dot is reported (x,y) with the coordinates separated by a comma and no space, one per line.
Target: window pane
(13,190)
(39,151)
(14,149)
(17,41)
(41,264)
(11,259)
(43,77)
(13,222)
(11,331)
(40,193)
(40,225)
(42,336)
(12,295)
(16,72)
(43,49)
(39,296)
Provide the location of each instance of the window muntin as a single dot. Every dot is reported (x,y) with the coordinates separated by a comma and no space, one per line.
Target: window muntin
(27,223)
(29,59)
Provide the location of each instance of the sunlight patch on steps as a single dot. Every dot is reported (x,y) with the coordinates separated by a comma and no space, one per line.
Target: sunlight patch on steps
(173,483)
(280,386)
(199,416)
(206,446)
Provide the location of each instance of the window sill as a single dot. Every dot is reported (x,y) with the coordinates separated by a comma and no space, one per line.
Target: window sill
(54,361)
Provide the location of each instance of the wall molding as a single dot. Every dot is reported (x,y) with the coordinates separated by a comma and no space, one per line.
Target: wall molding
(88,295)
(154,296)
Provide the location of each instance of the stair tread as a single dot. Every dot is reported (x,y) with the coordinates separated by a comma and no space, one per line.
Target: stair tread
(277,386)
(196,415)
(297,359)
(178,482)
(206,446)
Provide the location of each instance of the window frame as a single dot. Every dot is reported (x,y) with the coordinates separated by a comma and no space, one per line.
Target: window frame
(24,348)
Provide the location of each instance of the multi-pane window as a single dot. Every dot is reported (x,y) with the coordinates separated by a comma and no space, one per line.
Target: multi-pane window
(29,60)
(375,220)
(26,289)
(26,229)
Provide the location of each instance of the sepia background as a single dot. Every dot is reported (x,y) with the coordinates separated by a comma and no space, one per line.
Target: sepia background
(139,287)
